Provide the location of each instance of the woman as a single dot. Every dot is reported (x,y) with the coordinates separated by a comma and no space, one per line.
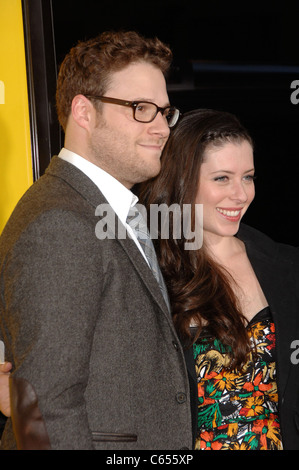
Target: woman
(234,300)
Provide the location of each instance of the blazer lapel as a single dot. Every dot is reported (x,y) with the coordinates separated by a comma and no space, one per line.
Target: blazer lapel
(144,272)
(90,192)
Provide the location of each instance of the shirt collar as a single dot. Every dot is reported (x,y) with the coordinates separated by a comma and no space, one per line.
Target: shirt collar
(119,197)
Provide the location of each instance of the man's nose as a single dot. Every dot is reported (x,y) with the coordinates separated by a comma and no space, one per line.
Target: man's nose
(160,125)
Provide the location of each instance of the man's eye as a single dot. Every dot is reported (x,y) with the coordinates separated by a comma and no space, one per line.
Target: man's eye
(142,108)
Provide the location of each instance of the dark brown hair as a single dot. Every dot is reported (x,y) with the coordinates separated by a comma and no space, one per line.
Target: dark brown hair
(86,69)
(200,289)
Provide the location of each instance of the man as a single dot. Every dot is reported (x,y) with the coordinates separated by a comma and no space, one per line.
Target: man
(96,360)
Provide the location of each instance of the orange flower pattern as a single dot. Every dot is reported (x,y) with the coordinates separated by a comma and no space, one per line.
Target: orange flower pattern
(238,411)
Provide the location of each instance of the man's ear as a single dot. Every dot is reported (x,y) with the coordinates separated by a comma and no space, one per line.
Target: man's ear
(82,111)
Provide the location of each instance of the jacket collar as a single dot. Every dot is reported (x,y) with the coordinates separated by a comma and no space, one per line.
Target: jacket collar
(90,192)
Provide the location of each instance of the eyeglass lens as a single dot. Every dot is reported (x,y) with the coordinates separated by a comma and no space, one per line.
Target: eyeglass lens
(146,112)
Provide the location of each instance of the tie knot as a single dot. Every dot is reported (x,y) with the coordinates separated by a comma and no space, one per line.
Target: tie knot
(133,215)
(137,223)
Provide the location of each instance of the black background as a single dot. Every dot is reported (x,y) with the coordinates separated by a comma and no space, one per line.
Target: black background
(236,56)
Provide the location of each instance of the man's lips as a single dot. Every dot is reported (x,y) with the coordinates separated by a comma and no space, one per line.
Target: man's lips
(152,145)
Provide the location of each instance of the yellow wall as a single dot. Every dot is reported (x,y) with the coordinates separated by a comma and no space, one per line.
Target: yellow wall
(16,173)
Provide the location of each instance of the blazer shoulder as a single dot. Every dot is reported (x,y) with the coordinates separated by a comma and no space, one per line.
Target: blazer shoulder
(262,242)
(57,200)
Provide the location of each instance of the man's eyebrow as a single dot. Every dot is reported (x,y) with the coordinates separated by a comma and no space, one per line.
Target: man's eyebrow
(149,100)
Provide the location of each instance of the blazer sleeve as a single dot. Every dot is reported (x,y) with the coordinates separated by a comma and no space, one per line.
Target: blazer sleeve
(52,286)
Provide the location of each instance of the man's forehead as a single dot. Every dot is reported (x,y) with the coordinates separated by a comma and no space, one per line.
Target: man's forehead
(139,80)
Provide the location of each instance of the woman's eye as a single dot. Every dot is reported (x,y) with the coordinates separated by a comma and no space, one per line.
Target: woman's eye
(250,178)
(221,178)
(225,179)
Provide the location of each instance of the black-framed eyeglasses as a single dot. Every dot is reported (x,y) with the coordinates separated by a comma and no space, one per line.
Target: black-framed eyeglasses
(144,111)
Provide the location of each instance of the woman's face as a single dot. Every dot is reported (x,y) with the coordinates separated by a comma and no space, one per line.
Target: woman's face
(226,188)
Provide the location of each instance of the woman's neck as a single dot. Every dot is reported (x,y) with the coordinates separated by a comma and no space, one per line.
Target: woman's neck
(223,249)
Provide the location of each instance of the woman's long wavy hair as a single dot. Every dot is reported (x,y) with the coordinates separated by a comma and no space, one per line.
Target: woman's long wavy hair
(200,289)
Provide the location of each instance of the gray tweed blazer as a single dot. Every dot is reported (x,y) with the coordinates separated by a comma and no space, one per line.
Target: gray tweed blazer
(85,324)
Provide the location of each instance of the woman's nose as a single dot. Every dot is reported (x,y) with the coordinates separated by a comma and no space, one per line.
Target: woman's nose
(239,192)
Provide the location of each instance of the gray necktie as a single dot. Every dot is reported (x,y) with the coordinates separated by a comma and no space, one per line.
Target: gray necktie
(139,227)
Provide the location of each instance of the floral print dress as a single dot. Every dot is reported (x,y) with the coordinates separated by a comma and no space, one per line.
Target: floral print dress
(238,411)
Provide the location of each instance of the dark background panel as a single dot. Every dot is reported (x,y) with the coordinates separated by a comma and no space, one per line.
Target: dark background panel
(41,66)
(237,56)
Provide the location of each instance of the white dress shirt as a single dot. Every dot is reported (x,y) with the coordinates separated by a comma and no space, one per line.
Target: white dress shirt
(120,198)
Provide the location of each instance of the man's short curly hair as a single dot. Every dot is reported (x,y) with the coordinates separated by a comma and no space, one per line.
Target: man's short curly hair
(87,68)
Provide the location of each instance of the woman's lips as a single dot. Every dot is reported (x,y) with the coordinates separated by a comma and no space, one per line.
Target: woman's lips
(232,214)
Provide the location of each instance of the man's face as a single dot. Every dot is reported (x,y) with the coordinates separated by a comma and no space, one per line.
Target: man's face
(130,150)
